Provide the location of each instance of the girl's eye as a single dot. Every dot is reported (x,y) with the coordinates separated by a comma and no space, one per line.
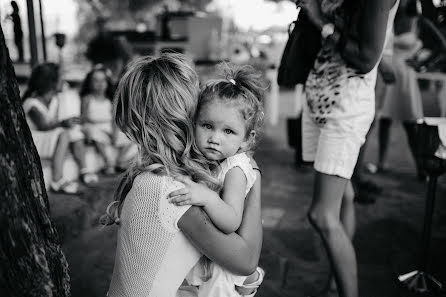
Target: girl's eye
(229,131)
(206,126)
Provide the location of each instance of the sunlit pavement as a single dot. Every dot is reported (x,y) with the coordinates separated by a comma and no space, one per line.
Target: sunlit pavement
(387,238)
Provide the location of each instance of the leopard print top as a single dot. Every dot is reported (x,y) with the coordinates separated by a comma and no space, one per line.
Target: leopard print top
(331,80)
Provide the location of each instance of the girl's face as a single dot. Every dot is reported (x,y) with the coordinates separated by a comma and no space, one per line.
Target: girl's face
(99,82)
(220,130)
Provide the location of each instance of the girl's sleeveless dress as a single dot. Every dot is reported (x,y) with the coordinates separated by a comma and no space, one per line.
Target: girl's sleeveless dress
(222,282)
(100,112)
(45,141)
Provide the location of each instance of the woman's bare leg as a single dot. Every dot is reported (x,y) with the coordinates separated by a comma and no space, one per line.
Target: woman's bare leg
(325,216)
(348,220)
(59,155)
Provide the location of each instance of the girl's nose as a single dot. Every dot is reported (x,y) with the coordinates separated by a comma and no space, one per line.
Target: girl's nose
(213,139)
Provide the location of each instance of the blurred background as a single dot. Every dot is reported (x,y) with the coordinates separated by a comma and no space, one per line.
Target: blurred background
(79,34)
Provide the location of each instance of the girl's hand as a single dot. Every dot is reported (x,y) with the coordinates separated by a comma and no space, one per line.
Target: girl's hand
(312,10)
(68,123)
(192,194)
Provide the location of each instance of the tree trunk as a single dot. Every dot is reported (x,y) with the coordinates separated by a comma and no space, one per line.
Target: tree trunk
(31,260)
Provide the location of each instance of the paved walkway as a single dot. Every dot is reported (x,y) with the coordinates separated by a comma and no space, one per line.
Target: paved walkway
(387,238)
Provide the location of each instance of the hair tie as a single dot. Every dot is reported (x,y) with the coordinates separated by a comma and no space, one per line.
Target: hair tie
(232,81)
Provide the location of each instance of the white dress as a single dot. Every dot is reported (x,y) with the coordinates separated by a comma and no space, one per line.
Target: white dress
(99,113)
(45,141)
(222,282)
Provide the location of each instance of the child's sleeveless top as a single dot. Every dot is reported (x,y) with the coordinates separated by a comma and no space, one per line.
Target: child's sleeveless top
(152,256)
(242,161)
(99,110)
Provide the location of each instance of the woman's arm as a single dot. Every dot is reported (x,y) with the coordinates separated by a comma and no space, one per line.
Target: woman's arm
(362,54)
(238,253)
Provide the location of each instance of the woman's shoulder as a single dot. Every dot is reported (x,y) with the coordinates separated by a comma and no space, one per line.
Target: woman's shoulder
(151,184)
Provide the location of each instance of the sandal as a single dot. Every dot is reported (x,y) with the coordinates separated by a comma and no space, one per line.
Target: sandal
(63,186)
(87,177)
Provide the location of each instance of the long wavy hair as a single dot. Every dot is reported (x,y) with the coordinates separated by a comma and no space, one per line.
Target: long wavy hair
(154,105)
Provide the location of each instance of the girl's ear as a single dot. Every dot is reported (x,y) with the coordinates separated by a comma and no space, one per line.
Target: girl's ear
(249,140)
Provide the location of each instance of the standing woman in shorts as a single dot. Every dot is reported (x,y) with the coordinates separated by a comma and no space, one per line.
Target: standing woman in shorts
(338,114)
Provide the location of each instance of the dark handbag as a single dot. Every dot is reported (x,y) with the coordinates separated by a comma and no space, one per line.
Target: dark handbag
(300,51)
(294,129)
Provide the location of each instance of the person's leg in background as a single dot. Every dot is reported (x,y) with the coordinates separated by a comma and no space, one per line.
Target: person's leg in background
(411,132)
(78,150)
(60,153)
(325,216)
(59,183)
(383,143)
(348,220)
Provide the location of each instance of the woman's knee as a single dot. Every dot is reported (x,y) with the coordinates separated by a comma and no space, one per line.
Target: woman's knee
(324,221)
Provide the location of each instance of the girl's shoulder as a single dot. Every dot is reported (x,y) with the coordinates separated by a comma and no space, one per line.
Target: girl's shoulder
(31,103)
(240,160)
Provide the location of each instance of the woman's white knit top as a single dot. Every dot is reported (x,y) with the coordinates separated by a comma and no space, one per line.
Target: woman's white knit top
(153,256)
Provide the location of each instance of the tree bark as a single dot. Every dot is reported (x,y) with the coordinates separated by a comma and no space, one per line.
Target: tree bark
(31,259)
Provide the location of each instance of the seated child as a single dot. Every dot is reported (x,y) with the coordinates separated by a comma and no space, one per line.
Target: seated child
(53,138)
(96,112)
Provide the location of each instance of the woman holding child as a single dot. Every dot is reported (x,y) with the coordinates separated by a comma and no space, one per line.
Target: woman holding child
(161,238)
(338,114)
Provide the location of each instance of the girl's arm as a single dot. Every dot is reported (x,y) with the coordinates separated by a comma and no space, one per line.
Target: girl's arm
(226,212)
(43,123)
(239,253)
(362,54)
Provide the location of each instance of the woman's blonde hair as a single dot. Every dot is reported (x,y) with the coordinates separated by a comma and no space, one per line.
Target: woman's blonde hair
(154,105)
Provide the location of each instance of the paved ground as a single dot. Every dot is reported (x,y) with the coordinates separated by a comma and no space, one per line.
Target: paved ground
(387,239)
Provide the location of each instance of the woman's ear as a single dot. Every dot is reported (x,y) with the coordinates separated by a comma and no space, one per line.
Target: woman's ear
(250,139)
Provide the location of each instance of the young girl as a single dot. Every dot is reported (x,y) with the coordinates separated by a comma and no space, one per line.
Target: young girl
(159,242)
(228,122)
(96,112)
(51,137)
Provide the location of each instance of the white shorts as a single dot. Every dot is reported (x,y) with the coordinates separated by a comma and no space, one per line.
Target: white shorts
(334,146)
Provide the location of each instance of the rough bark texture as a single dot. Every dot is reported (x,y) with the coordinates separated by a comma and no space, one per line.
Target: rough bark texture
(31,259)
